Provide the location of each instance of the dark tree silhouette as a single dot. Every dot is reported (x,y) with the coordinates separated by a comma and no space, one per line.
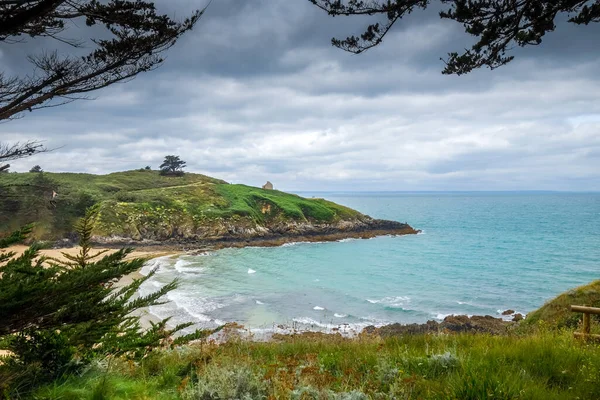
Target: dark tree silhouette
(132,41)
(498,25)
(172,165)
(36,168)
(15,151)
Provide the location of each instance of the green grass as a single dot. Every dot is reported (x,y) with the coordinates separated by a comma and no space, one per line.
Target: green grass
(247,200)
(143,204)
(546,365)
(556,312)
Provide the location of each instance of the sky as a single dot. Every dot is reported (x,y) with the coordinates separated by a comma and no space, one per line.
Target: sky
(256,92)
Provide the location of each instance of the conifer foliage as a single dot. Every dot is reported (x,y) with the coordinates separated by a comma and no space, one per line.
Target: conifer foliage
(56,315)
(498,26)
(172,165)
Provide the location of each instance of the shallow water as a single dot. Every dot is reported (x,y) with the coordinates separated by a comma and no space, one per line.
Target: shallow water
(480,253)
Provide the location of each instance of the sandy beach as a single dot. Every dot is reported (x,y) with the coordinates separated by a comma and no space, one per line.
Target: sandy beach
(58,253)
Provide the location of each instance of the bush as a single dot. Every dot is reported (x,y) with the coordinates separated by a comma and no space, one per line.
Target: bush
(57,315)
(237,383)
(171,173)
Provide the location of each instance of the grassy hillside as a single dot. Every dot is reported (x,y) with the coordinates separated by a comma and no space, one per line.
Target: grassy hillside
(547,365)
(556,313)
(143,204)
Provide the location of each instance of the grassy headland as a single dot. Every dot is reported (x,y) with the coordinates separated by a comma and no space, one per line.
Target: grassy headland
(143,205)
(557,313)
(546,365)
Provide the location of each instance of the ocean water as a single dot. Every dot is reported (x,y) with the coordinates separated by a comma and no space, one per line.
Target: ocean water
(479,253)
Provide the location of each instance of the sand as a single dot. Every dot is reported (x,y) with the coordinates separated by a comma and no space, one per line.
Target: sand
(57,253)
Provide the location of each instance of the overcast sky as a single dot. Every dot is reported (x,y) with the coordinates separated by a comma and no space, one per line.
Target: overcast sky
(257,92)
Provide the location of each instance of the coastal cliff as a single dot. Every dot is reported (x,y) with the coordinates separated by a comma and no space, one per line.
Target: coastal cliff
(144,208)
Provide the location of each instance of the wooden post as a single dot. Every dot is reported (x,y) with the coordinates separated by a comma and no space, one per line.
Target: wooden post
(586,323)
(585,329)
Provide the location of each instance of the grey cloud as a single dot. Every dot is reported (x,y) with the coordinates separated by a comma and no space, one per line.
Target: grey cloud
(256,92)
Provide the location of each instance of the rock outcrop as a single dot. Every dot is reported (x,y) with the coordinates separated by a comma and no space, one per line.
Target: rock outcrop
(450,324)
(228,233)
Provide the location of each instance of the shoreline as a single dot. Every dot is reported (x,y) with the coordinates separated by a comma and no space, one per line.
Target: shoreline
(57,252)
(152,250)
(272,240)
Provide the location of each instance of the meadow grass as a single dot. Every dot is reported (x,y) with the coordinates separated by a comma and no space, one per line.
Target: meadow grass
(144,203)
(247,200)
(543,365)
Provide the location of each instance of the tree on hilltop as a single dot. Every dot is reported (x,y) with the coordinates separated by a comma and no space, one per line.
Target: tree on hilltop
(172,165)
(36,168)
(498,25)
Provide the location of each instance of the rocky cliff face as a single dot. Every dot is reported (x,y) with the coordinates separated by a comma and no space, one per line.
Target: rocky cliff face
(240,232)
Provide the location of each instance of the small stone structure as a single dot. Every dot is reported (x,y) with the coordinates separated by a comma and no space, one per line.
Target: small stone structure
(268,186)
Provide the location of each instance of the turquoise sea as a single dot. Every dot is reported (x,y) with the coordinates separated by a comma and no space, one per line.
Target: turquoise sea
(479,253)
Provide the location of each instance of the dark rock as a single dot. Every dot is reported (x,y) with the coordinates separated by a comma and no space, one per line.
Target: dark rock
(476,323)
(411,329)
(518,317)
(508,312)
(370,329)
(452,323)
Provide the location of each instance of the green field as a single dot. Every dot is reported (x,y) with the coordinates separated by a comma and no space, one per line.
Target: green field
(143,204)
(545,365)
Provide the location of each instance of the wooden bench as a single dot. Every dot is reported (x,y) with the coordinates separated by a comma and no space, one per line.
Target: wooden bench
(587,311)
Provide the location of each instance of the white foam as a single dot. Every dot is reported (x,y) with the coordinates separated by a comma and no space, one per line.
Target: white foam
(182,263)
(318,308)
(259,302)
(289,244)
(441,316)
(344,328)
(185,266)
(391,301)
(156,263)
(251,271)
(312,322)
(337,315)
(421,233)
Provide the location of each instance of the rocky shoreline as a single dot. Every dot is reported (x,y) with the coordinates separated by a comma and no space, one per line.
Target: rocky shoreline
(451,324)
(263,236)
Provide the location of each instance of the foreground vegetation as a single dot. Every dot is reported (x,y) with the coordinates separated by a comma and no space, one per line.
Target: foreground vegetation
(58,315)
(144,204)
(542,365)
(537,359)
